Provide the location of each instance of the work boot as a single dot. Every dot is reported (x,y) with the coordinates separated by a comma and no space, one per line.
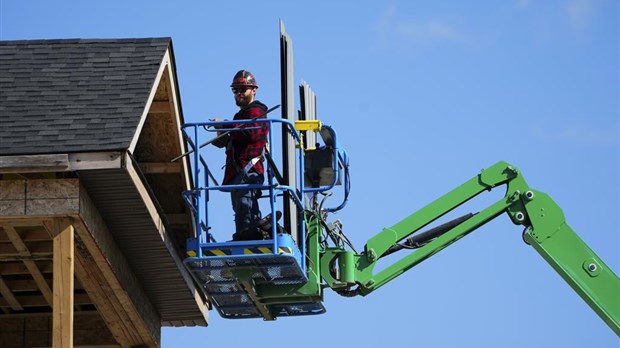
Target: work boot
(260,230)
(250,233)
(266,223)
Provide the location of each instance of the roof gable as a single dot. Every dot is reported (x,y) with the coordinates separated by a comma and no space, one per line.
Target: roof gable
(66,96)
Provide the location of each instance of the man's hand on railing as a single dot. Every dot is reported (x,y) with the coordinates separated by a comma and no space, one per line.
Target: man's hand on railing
(220,141)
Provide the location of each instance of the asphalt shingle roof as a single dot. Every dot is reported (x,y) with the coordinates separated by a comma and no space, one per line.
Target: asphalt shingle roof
(64,96)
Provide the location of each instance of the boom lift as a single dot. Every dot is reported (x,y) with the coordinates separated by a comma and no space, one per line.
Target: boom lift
(285,274)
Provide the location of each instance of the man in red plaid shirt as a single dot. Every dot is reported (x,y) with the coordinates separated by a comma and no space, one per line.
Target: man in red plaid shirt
(244,156)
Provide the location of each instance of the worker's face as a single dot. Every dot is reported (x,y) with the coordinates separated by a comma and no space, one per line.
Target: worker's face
(244,95)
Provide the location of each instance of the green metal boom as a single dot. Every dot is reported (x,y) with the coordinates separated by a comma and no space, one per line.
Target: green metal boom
(545,229)
(350,273)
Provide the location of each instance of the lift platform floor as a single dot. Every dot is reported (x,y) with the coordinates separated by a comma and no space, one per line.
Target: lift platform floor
(230,273)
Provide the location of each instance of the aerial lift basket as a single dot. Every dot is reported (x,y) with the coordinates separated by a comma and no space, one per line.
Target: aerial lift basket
(233,273)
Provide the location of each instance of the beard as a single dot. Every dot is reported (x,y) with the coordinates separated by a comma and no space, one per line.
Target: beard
(242,101)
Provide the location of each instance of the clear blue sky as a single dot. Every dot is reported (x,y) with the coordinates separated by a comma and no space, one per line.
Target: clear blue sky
(424,95)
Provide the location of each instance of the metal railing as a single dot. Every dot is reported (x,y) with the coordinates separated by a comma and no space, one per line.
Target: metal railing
(204,182)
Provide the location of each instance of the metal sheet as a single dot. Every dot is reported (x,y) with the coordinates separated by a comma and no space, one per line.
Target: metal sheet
(308,112)
(288,142)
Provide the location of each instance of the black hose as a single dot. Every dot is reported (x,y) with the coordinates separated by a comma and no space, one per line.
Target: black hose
(422,238)
(348,292)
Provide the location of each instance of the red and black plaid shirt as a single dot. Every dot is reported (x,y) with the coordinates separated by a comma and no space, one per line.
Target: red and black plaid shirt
(246,144)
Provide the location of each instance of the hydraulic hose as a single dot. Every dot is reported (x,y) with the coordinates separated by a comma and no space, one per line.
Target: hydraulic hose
(422,238)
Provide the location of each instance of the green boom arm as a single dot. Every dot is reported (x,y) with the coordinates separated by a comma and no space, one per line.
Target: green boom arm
(546,230)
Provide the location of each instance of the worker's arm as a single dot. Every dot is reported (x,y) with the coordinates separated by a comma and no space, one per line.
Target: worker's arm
(222,139)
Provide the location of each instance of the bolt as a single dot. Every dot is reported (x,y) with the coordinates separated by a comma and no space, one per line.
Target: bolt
(372,256)
(520,216)
(370,283)
(529,195)
(592,267)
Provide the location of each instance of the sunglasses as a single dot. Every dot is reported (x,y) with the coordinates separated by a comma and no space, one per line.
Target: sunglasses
(236,90)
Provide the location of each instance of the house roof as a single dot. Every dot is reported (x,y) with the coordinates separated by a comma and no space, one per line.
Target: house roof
(67,96)
(89,97)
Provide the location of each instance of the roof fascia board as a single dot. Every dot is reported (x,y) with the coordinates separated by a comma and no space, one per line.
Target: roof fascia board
(162,67)
(60,162)
(178,123)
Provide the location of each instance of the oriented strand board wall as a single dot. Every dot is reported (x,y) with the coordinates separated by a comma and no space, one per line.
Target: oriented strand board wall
(39,197)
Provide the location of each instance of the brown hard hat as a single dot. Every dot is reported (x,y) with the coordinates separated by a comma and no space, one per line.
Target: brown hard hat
(244,78)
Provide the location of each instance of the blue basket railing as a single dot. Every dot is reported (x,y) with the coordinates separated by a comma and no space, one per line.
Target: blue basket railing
(204,182)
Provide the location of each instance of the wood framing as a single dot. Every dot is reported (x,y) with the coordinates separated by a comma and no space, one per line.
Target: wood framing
(63,288)
(10,298)
(60,162)
(59,207)
(38,163)
(22,250)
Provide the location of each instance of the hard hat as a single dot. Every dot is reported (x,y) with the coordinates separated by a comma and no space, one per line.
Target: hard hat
(244,78)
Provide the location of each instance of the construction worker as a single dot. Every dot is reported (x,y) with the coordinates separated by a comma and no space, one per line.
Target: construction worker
(244,156)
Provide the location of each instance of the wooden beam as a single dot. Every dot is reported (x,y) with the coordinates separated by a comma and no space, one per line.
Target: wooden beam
(22,285)
(47,314)
(22,249)
(56,226)
(40,280)
(31,234)
(34,163)
(18,257)
(35,249)
(107,305)
(60,162)
(63,289)
(95,160)
(8,295)
(29,221)
(160,167)
(37,301)
(15,269)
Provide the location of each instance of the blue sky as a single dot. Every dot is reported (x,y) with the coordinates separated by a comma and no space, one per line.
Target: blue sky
(423,95)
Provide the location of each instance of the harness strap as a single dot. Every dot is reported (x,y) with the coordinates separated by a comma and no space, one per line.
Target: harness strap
(251,163)
(242,172)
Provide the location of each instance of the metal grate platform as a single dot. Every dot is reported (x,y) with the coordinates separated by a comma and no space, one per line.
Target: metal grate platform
(230,272)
